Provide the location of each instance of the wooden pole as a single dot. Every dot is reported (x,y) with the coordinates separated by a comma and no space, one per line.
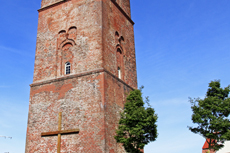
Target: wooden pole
(60,132)
(59,135)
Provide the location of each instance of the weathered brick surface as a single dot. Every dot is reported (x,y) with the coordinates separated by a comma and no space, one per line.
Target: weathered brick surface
(114,20)
(88,34)
(85,43)
(80,101)
(125,5)
(115,95)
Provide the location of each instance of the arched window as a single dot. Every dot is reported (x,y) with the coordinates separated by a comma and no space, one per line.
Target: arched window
(119,72)
(67,68)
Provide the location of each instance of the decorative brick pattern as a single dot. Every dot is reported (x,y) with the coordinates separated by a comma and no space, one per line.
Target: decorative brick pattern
(81,32)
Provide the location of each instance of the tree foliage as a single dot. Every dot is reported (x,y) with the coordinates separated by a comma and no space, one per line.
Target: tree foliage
(212,115)
(137,126)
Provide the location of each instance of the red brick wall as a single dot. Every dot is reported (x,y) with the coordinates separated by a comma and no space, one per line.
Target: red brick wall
(125,5)
(80,101)
(115,91)
(115,95)
(86,52)
(91,97)
(114,20)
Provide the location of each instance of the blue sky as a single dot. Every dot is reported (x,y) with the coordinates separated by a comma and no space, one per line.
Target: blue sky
(181,46)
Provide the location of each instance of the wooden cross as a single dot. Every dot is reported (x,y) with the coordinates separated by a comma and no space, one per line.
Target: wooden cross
(59,133)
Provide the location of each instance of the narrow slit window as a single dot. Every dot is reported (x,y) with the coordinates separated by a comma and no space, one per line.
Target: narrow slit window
(67,68)
(119,72)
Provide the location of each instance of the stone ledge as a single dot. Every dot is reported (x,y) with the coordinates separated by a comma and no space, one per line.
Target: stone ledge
(66,77)
(79,75)
(118,79)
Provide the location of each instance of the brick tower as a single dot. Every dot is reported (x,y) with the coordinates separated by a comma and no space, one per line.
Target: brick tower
(84,66)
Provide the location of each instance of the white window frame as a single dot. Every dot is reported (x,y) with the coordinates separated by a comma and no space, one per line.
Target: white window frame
(119,72)
(67,68)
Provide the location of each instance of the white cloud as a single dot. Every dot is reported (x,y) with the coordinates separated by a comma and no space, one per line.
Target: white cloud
(12,50)
(4,86)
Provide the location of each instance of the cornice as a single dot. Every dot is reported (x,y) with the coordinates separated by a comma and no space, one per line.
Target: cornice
(52,5)
(78,75)
(113,1)
(115,77)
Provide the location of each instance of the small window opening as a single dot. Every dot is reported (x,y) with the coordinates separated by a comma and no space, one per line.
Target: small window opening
(119,50)
(119,72)
(67,68)
(121,39)
(116,33)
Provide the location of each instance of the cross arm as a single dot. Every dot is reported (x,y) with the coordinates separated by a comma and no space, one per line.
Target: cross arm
(60,132)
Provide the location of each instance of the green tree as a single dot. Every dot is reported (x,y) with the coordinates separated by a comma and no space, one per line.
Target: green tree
(212,115)
(137,125)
